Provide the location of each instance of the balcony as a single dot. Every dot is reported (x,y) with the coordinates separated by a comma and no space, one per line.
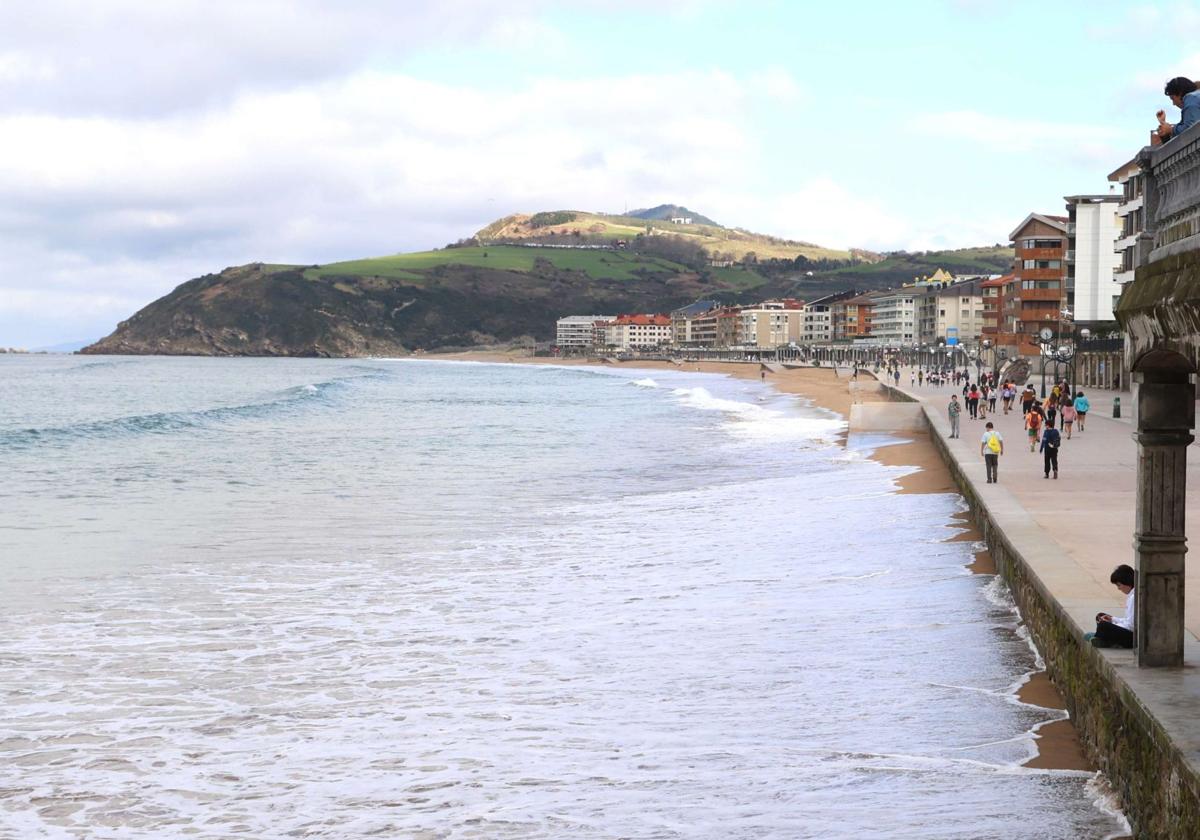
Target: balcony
(1070,255)
(1070,228)
(1040,294)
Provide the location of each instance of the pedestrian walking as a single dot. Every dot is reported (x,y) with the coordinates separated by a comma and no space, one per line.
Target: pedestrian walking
(973,401)
(954,410)
(1033,425)
(983,402)
(1068,417)
(1051,440)
(991,396)
(1009,393)
(1082,407)
(991,447)
(1027,398)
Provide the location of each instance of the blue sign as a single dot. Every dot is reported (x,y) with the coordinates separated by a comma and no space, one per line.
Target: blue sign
(951,336)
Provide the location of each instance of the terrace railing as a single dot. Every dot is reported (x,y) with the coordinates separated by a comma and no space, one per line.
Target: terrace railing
(1172,198)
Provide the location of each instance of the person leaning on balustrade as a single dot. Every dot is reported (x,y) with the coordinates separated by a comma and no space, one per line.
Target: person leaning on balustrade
(1186,97)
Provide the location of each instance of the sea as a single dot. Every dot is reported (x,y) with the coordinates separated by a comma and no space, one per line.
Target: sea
(292,598)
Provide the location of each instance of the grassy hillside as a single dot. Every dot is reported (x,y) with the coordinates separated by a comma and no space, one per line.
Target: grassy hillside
(617,265)
(901,268)
(599,227)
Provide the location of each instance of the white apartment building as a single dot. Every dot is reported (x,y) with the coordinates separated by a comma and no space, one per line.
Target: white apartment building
(894,316)
(1093,265)
(1131,215)
(638,332)
(576,332)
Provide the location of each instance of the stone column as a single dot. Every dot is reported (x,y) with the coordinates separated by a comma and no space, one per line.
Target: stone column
(1166,413)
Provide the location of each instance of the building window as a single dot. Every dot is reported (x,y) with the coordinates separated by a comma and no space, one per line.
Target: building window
(1042,264)
(1041,243)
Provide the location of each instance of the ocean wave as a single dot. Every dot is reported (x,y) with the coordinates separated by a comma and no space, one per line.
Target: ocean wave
(645,383)
(760,423)
(171,422)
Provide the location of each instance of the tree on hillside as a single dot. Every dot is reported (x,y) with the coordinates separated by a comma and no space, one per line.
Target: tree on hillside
(674,248)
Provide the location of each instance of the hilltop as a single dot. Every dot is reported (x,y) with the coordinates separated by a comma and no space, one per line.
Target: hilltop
(487,292)
(666,212)
(718,243)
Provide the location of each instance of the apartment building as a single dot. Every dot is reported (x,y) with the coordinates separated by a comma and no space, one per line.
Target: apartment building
(894,316)
(1037,295)
(991,291)
(682,320)
(852,318)
(1093,228)
(773,323)
(951,310)
(576,333)
(729,326)
(637,332)
(818,322)
(1132,215)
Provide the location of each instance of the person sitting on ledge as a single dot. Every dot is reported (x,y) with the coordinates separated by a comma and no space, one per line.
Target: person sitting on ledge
(1186,98)
(1117,632)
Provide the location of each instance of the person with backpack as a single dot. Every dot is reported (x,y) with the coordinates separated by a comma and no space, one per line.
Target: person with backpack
(991,447)
(1051,440)
(1033,425)
(1082,407)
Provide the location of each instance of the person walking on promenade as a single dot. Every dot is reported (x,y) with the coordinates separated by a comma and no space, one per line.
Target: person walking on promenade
(991,447)
(920,377)
(954,410)
(1027,398)
(1033,424)
(1051,440)
(1008,393)
(1082,407)
(991,396)
(1067,414)
(983,401)
(1118,632)
(973,402)
(1051,410)
(897,377)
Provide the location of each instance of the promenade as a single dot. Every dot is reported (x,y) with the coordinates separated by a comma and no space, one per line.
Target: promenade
(1082,523)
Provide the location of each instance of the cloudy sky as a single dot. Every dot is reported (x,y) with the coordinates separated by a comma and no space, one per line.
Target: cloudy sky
(144,143)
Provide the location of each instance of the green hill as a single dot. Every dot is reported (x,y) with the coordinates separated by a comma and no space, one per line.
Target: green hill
(666,212)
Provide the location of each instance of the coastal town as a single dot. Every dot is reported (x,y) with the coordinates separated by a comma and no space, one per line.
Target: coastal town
(1054,309)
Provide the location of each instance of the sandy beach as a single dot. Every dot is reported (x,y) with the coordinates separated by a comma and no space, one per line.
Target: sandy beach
(1057,742)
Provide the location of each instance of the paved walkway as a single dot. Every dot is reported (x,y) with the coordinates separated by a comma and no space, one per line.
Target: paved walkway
(1082,523)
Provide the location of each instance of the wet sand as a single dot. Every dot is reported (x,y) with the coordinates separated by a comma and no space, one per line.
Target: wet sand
(1057,742)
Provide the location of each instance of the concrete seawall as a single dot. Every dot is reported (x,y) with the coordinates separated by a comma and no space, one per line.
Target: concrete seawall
(1140,726)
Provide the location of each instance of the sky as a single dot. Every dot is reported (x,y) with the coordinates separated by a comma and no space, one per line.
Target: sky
(145,143)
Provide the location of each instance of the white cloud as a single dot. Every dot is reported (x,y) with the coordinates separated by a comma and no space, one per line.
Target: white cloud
(1079,142)
(367,164)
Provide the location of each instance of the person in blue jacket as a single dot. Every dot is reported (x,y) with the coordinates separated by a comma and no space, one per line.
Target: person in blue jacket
(1082,407)
(1184,96)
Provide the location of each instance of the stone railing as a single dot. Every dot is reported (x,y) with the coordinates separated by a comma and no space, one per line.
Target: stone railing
(1172,197)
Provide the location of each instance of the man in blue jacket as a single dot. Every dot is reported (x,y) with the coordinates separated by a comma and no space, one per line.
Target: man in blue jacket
(1184,96)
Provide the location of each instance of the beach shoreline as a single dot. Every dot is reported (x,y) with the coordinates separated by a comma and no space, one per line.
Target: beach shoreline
(1057,743)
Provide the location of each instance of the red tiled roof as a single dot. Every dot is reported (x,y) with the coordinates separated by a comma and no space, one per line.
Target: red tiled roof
(644,320)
